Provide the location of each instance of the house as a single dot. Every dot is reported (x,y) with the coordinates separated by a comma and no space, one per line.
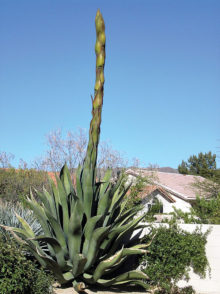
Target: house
(171,189)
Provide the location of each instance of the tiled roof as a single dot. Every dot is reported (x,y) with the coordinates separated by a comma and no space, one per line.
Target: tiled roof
(176,184)
(150,189)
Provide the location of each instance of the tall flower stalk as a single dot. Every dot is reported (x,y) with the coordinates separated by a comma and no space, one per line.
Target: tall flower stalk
(89,166)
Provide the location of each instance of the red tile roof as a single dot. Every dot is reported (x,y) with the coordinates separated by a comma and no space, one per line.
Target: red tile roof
(176,184)
(150,189)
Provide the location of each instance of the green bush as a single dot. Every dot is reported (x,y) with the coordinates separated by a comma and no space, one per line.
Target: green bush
(172,253)
(15,183)
(208,211)
(204,211)
(20,275)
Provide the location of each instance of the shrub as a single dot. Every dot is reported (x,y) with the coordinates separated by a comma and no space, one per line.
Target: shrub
(15,183)
(133,197)
(171,254)
(204,211)
(20,275)
(208,211)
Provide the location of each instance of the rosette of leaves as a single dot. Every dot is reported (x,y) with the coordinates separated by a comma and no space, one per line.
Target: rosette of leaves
(85,225)
(8,217)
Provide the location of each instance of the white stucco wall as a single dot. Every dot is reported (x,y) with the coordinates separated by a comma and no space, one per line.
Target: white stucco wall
(167,205)
(181,204)
(209,285)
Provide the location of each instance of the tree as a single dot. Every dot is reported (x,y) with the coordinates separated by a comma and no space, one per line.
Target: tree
(5,159)
(72,149)
(203,165)
(60,150)
(182,168)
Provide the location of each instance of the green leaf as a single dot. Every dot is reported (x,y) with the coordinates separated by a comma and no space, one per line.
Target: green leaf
(26,226)
(75,230)
(88,232)
(60,253)
(64,205)
(96,239)
(78,183)
(124,278)
(57,230)
(107,263)
(66,179)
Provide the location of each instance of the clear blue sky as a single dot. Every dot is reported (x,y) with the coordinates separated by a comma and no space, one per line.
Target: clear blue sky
(162,89)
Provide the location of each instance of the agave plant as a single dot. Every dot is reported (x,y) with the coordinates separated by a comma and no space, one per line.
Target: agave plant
(8,217)
(85,225)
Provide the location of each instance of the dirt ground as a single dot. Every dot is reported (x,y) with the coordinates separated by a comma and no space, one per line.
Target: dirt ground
(122,290)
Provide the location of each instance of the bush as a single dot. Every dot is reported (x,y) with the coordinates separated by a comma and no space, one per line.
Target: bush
(208,211)
(20,275)
(204,211)
(172,253)
(15,183)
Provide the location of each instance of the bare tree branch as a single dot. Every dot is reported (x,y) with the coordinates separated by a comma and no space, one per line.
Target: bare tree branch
(5,159)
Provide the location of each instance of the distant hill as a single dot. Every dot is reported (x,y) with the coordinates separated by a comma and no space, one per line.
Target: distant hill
(168,169)
(165,169)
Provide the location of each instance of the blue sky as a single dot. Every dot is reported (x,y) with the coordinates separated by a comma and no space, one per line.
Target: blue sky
(162,90)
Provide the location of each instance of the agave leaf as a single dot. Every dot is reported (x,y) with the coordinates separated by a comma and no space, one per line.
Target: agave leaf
(115,210)
(116,266)
(124,228)
(118,233)
(78,264)
(66,179)
(88,231)
(26,226)
(135,282)
(133,251)
(64,205)
(30,245)
(96,239)
(124,218)
(105,183)
(124,278)
(123,205)
(75,230)
(54,192)
(103,204)
(57,230)
(78,183)
(43,199)
(20,231)
(68,276)
(53,266)
(59,252)
(118,197)
(52,203)
(39,214)
(118,184)
(107,263)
